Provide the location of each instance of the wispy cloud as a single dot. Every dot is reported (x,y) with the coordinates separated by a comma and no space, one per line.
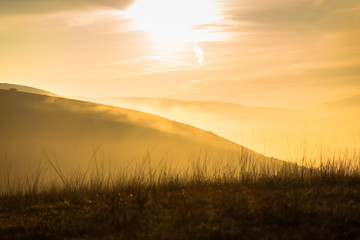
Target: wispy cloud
(195,82)
(199,53)
(257,49)
(167,60)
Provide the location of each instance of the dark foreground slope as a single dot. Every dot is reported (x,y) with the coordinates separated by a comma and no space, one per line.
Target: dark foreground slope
(37,128)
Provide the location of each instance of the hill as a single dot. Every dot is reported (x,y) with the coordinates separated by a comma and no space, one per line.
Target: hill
(37,128)
(353,101)
(23,88)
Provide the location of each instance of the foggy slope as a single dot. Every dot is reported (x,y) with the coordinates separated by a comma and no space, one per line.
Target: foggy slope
(263,129)
(224,108)
(34,127)
(272,131)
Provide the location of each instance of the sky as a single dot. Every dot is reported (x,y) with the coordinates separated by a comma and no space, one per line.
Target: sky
(285,53)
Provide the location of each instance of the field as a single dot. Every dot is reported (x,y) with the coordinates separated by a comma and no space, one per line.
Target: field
(294,202)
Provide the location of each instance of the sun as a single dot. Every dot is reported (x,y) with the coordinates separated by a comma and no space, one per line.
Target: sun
(173,20)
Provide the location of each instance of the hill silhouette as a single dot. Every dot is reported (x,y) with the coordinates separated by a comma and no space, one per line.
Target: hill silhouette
(23,88)
(38,127)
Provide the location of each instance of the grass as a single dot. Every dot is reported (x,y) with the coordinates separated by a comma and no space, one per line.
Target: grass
(153,202)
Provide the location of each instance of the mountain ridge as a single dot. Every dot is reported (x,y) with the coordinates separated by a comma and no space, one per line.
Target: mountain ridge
(205,105)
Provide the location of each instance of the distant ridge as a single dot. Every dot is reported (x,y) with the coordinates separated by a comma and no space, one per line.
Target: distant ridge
(353,101)
(209,106)
(23,88)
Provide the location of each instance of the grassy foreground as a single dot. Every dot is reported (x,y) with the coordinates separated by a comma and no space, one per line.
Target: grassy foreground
(238,201)
(317,205)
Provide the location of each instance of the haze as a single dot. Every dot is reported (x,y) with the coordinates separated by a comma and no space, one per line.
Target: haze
(179,119)
(284,53)
(292,56)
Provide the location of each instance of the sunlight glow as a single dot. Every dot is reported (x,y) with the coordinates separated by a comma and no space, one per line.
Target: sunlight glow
(173,20)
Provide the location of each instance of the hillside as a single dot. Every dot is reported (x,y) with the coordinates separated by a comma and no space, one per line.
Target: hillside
(263,129)
(23,88)
(37,128)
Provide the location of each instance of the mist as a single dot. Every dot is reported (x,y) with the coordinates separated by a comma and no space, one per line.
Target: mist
(278,132)
(39,130)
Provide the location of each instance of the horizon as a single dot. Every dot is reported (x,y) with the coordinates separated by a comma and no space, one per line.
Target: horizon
(184,100)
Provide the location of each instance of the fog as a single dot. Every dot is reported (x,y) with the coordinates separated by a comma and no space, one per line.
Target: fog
(40,132)
(288,134)
(43,131)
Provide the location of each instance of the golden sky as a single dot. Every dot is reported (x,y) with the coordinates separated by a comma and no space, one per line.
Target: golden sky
(289,53)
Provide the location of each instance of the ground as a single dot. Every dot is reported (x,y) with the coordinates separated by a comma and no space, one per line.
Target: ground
(264,209)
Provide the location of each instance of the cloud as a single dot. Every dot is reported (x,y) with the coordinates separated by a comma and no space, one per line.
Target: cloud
(167,60)
(292,15)
(199,53)
(191,83)
(46,6)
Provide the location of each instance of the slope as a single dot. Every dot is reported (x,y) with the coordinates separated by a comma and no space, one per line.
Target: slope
(35,128)
(263,129)
(23,88)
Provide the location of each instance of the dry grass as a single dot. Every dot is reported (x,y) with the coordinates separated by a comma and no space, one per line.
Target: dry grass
(201,202)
